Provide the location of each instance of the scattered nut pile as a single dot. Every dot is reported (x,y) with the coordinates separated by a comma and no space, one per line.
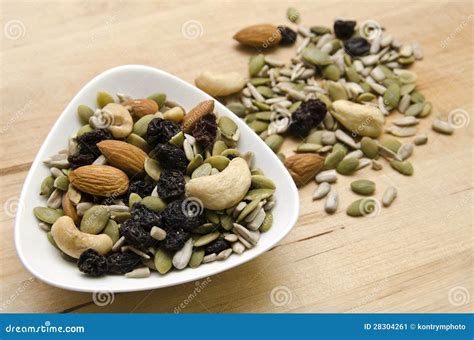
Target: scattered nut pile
(334,95)
(145,186)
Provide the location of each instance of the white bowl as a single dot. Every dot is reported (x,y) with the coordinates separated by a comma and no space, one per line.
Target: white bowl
(44,261)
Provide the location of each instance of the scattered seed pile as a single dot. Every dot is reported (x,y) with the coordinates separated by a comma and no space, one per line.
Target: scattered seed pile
(144,185)
(334,95)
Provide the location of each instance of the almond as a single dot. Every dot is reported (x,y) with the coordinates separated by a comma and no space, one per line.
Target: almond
(303,167)
(199,111)
(141,107)
(99,180)
(69,208)
(262,35)
(124,156)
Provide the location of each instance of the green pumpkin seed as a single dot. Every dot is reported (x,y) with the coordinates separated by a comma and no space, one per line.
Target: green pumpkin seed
(320,30)
(417,97)
(315,137)
(262,182)
(293,107)
(266,115)
(366,87)
(163,261)
(427,107)
(406,76)
(51,240)
(406,60)
(139,142)
(315,56)
(333,159)
(362,207)
(248,209)
(307,148)
(206,239)
(218,148)
(281,156)
(112,230)
(61,183)
(369,147)
(212,216)
(391,96)
(407,89)
(352,75)
(258,126)
(293,15)
(256,63)
(218,162)
(177,139)
(331,72)
(159,98)
(152,168)
(205,228)
(336,91)
(202,170)
(84,129)
(391,143)
(121,216)
(260,81)
(153,203)
(274,142)
(47,215)
(103,98)
(227,127)
(363,187)
(141,126)
(196,258)
(265,91)
(405,167)
(237,108)
(366,97)
(95,219)
(133,198)
(260,194)
(227,222)
(47,186)
(261,106)
(84,112)
(233,152)
(414,109)
(195,163)
(267,222)
(250,118)
(347,166)
(257,171)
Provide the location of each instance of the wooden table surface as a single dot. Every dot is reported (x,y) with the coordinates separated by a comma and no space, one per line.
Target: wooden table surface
(415,256)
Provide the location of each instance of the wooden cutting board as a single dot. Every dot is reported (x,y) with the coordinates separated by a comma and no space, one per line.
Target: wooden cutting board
(415,256)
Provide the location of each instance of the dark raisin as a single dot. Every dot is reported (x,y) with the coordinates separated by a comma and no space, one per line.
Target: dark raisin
(288,36)
(187,214)
(87,143)
(205,130)
(357,46)
(135,235)
(92,263)
(141,187)
(171,184)
(175,239)
(121,263)
(145,217)
(217,246)
(170,157)
(160,131)
(79,160)
(308,115)
(344,29)
(231,156)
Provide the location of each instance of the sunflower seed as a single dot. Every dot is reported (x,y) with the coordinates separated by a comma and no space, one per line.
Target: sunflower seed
(332,200)
(134,250)
(406,121)
(346,139)
(209,258)
(238,247)
(376,165)
(231,238)
(321,191)
(139,273)
(354,154)
(402,131)
(223,255)
(157,233)
(389,196)
(181,257)
(250,236)
(329,176)
(55,199)
(421,139)
(258,220)
(442,127)
(405,151)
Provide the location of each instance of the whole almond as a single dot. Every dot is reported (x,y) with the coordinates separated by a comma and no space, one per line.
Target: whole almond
(262,35)
(199,111)
(303,167)
(125,156)
(69,208)
(141,107)
(99,180)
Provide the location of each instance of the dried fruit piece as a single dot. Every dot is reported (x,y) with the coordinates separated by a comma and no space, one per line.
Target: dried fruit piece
(357,46)
(199,111)
(92,263)
(308,115)
(344,29)
(205,130)
(171,184)
(170,157)
(288,36)
(160,131)
(121,263)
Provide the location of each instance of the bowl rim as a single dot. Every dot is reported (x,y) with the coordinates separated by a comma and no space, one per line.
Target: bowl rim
(21,205)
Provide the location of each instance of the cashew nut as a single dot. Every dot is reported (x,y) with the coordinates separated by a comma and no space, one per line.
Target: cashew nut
(220,84)
(74,242)
(363,120)
(223,190)
(118,120)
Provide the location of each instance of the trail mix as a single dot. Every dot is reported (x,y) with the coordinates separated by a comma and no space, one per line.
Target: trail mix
(145,186)
(334,95)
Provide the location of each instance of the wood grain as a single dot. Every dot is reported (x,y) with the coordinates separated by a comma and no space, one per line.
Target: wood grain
(407,259)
